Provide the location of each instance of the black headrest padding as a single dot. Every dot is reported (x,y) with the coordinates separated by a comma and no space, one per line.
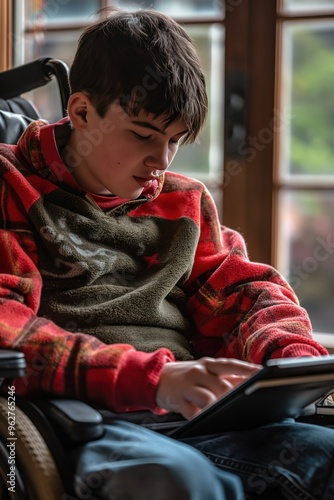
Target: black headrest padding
(12,126)
(15,116)
(24,78)
(20,106)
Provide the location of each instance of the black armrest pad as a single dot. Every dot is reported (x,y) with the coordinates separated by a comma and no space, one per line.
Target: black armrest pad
(75,419)
(12,364)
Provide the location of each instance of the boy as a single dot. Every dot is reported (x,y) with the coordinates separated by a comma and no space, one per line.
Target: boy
(122,289)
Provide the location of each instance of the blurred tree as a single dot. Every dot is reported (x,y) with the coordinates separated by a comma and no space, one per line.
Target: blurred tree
(312,139)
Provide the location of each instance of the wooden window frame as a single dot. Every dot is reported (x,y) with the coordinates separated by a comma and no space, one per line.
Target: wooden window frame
(6,31)
(248,202)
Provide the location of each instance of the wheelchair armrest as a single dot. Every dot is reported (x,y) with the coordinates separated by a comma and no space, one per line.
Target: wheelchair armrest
(12,364)
(74,419)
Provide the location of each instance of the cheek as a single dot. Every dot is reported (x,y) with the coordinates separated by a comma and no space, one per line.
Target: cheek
(171,155)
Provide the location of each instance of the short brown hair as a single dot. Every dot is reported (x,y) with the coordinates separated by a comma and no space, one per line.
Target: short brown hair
(142,60)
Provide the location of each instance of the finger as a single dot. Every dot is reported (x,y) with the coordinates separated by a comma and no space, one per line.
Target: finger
(235,380)
(233,376)
(200,397)
(219,385)
(189,410)
(215,383)
(227,383)
(225,366)
(184,407)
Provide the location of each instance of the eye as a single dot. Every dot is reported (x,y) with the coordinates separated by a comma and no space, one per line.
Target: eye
(141,137)
(177,140)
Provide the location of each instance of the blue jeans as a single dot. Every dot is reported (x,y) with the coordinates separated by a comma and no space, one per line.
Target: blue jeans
(285,460)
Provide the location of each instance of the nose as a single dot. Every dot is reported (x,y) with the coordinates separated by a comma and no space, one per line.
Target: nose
(159,159)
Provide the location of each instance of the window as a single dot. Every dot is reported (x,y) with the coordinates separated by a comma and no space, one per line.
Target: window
(279,175)
(304,177)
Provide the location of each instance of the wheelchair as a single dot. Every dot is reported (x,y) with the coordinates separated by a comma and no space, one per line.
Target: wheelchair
(37,435)
(34,463)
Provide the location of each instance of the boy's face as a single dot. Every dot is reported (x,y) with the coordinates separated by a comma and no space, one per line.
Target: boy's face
(118,154)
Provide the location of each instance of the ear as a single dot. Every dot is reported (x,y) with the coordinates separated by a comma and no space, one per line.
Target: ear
(78,107)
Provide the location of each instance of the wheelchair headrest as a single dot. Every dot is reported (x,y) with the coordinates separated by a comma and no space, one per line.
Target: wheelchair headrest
(15,116)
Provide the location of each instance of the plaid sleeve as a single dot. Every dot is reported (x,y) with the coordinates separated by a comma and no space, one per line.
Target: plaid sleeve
(242,309)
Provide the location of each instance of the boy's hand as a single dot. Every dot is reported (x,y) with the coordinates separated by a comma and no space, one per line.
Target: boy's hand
(186,387)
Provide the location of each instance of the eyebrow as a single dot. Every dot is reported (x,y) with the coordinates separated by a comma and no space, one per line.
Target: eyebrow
(153,127)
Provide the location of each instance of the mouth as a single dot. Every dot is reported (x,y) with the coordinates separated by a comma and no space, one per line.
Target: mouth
(145,182)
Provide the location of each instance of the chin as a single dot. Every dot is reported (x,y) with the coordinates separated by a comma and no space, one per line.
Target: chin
(131,196)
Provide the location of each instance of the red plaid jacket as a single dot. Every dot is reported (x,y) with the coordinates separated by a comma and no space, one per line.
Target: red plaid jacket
(99,298)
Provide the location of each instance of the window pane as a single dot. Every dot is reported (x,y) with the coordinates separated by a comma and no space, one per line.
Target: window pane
(307,146)
(197,8)
(308,5)
(59,45)
(306,252)
(205,156)
(44,12)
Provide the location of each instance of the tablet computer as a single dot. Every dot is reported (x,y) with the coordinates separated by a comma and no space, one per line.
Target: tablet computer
(283,388)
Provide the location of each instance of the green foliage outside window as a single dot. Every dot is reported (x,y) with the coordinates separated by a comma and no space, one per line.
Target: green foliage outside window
(312,139)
